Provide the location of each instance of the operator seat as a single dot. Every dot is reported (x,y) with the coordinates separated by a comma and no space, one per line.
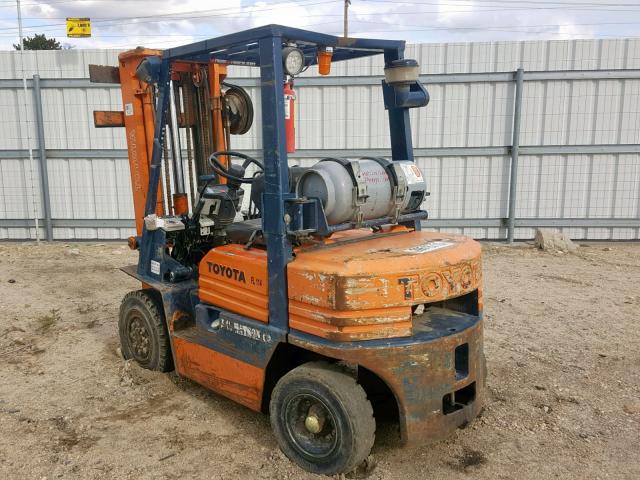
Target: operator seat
(245,231)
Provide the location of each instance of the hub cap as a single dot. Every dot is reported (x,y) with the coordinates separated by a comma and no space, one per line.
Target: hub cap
(310,425)
(139,338)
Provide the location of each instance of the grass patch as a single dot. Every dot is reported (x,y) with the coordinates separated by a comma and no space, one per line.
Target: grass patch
(48,321)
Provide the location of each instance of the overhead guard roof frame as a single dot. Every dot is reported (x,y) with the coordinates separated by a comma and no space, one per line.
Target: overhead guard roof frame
(243,46)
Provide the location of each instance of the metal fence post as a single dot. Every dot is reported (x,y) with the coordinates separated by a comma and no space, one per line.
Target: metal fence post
(515,146)
(44,173)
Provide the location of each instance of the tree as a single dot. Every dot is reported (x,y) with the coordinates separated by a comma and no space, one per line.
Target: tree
(39,42)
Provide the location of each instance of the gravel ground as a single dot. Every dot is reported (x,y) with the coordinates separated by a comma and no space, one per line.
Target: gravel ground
(563,351)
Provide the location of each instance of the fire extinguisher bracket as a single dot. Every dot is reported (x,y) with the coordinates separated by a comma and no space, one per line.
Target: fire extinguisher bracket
(290,116)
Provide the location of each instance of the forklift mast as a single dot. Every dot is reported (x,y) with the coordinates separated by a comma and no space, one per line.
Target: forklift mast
(138,117)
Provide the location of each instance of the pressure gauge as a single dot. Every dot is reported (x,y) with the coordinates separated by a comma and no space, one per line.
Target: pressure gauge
(293,60)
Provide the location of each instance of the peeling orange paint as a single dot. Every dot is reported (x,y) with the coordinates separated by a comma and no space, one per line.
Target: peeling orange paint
(355,286)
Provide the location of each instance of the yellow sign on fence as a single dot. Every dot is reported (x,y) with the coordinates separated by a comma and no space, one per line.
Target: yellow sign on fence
(78,27)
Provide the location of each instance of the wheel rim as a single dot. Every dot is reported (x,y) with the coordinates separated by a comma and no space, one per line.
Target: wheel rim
(311,426)
(139,338)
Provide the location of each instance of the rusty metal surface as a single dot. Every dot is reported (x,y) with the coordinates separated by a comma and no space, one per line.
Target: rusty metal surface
(163,288)
(358,286)
(104,74)
(363,285)
(420,371)
(108,118)
(232,378)
(211,364)
(382,272)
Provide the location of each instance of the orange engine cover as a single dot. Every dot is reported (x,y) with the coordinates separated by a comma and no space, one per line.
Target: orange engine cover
(358,285)
(235,279)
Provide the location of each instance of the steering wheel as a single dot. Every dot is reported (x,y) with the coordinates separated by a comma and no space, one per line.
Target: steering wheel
(230,172)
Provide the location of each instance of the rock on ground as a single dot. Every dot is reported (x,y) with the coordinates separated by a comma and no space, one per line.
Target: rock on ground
(550,240)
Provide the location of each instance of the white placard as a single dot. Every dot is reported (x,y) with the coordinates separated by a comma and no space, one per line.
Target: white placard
(155,267)
(428,247)
(412,172)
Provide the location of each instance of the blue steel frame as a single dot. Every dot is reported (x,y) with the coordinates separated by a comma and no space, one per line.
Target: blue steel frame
(262,47)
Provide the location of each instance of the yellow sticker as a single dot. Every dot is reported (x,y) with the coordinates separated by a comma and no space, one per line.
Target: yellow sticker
(78,27)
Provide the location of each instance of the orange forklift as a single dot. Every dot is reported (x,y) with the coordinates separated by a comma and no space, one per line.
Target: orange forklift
(310,294)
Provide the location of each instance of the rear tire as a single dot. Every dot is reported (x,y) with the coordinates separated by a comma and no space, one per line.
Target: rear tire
(143,332)
(322,419)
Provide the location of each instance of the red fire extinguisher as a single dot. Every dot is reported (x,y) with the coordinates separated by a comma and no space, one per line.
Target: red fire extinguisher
(290,116)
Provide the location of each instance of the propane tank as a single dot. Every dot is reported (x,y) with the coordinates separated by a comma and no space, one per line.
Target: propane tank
(363,189)
(290,116)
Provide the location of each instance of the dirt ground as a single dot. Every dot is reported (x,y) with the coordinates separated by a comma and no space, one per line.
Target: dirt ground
(562,337)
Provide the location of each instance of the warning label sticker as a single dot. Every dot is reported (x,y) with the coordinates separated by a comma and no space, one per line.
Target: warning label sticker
(428,247)
(412,172)
(155,267)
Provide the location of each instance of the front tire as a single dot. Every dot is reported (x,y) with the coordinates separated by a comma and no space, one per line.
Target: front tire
(143,332)
(322,419)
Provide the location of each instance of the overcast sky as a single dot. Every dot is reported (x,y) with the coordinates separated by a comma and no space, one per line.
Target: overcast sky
(162,23)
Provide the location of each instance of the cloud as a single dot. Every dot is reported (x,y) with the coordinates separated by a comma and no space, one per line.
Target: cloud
(164,23)
(449,12)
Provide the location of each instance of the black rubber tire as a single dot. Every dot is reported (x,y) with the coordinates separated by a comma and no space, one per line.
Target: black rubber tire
(351,418)
(139,309)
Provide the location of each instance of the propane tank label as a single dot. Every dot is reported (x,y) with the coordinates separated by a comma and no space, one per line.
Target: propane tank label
(428,247)
(375,177)
(412,172)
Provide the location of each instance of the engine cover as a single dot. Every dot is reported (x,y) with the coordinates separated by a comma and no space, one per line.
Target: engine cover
(357,286)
